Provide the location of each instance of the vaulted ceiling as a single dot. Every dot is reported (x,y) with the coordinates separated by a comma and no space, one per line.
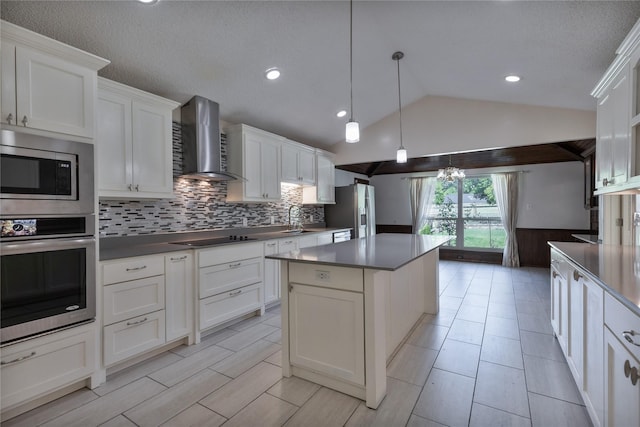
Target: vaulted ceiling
(459,49)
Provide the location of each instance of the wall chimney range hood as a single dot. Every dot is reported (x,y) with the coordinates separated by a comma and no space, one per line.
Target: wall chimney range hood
(201,146)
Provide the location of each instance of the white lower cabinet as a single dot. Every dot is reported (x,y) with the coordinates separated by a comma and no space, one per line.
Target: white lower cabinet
(326,331)
(229,283)
(179,294)
(622,362)
(36,367)
(593,349)
(228,305)
(271,273)
(147,301)
(133,336)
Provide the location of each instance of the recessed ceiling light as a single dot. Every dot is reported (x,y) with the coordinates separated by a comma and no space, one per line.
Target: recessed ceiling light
(341,113)
(512,78)
(272,73)
(148,1)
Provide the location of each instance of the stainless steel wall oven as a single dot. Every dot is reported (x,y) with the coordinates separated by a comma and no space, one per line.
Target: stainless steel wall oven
(47,235)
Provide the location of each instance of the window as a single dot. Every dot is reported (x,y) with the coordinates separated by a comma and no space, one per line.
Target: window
(466,209)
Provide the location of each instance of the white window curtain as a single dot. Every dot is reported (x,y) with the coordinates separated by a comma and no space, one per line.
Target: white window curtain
(422,192)
(505,186)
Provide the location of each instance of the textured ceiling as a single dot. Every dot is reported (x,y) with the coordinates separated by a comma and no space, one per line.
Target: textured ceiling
(219,50)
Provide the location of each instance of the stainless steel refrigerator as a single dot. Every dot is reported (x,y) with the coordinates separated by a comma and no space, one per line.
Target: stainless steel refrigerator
(355,208)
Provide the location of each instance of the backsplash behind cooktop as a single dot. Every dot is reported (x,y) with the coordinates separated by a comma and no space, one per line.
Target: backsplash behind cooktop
(198,205)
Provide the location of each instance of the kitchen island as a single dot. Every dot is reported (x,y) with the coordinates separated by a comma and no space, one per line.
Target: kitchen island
(348,306)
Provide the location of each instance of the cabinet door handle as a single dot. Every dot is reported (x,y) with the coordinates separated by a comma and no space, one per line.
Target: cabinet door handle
(130,187)
(631,373)
(179,258)
(25,120)
(19,359)
(271,244)
(137,322)
(137,187)
(236,265)
(628,335)
(9,118)
(577,275)
(142,267)
(554,274)
(234,293)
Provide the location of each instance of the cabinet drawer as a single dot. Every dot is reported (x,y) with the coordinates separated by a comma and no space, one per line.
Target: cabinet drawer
(129,299)
(133,336)
(131,269)
(559,263)
(47,363)
(229,253)
(220,308)
(622,322)
(348,279)
(229,276)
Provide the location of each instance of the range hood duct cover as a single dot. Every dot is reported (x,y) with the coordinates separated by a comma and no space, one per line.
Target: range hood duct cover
(201,145)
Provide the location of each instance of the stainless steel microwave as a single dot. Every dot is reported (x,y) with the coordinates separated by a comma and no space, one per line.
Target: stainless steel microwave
(45,176)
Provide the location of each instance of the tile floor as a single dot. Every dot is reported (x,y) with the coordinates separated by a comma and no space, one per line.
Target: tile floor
(487,359)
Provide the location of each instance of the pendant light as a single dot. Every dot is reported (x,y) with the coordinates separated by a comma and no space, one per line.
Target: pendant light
(401,154)
(352,130)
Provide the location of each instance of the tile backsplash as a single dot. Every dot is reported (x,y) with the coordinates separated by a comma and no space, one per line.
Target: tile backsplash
(198,205)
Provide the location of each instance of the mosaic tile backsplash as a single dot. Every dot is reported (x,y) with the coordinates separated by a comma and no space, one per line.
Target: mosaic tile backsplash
(198,205)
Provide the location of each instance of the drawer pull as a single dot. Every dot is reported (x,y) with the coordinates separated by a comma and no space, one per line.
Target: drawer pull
(577,275)
(236,265)
(234,293)
(271,244)
(628,335)
(631,373)
(19,359)
(9,118)
(555,274)
(137,268)
(137,322)
(179,258)
(25,121)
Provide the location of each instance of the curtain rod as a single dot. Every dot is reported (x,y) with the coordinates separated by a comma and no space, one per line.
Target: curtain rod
(467,175)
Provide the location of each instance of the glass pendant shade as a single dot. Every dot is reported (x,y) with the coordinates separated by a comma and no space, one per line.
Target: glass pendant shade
(450,174)
(401,155)
(352,132)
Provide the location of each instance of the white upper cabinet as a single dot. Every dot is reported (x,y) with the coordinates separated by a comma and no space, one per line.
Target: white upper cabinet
(324,190)
(47,85)
(255,155)
(618,120)
(298,164)
(134,138)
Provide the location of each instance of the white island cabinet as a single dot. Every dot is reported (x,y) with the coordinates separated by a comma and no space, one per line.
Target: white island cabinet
(346,307)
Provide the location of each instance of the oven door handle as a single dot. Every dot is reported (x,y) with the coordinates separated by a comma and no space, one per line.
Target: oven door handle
(45,245)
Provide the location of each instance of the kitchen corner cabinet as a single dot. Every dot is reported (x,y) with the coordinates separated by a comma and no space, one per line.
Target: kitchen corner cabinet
(47,85)
(255,155)
(298,164)
(36,367)
(324,190)
(134,139)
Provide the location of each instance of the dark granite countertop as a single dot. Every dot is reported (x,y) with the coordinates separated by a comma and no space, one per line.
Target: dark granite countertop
(149,244)
(379,252)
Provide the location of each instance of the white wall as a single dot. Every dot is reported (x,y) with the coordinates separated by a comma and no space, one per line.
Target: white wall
(344,178)
(437,125)
(550,196)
